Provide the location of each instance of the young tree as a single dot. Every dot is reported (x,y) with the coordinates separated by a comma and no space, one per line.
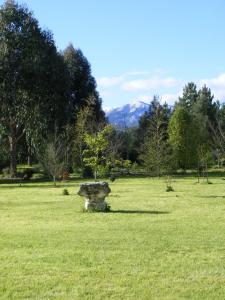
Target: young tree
(155,151)
(53,160)
(182,137)
(96,145)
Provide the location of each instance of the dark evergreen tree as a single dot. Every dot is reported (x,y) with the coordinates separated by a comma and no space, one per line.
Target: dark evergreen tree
(189,96)
(83,91)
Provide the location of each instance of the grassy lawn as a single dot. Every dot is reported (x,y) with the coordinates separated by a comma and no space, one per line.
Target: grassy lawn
(154,245)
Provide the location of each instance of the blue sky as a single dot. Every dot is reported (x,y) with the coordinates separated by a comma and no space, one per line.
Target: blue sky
(138,48)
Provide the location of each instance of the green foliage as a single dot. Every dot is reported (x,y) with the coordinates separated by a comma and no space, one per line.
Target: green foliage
(28,173)
(182,137)
(30,98)
(82,85)
(52,158)
(168,180)
(6,172)
(65,192)
(189,96)
(155,152)
(96,145)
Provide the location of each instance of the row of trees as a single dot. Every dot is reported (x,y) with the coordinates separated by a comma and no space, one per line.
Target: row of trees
(50,112)
(42,90)
(188,135)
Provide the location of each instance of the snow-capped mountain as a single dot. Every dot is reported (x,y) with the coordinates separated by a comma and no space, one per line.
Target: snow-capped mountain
(127,115)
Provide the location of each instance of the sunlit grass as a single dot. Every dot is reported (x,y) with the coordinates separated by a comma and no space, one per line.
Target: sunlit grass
(153,245)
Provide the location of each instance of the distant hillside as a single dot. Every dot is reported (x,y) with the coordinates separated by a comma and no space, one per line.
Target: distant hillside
(127,115)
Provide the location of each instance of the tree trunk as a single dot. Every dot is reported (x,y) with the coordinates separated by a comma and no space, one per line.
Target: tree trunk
(29,154)
(29,160)
(12,151)
(207,176)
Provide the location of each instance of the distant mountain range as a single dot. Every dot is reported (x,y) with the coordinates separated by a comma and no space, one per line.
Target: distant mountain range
(127,115)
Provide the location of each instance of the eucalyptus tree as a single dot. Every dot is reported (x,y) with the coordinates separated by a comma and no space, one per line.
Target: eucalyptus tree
(31,77)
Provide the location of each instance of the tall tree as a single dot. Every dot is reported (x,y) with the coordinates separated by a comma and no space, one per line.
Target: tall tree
(155,151)
(189,96)
(83,90)
(182,137)
(30,78)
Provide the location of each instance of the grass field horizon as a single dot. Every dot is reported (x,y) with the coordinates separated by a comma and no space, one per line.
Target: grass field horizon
(153,245)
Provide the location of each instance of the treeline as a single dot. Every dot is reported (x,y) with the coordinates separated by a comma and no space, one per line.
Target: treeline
(190,135)
(42,91)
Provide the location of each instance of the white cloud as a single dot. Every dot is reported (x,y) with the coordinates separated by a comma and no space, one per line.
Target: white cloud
(150,84)
(217,85)
(109,81)
(142,85)
(170,98)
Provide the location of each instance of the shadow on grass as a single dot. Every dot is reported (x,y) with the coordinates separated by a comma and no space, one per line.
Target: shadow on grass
(150,212)
(211,196)
(37,186)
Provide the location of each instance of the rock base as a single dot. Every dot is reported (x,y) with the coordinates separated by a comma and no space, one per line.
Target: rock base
(95,205)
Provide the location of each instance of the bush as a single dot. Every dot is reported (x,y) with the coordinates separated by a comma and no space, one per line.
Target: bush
(65,192)
(112,177)
(6,172)
(168,181)
(103,171)
(28,174)
(169,189)
(87,172)
(66,175)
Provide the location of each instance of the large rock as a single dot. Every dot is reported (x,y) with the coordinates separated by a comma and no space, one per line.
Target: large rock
(94,194)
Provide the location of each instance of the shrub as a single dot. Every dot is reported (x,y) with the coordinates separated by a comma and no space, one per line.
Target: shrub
(169,189)
(108,208)
(87,172)
(28,174)
(65,192)
(112,177)
(168,181)
(6,172)
(66,175)
(103,171)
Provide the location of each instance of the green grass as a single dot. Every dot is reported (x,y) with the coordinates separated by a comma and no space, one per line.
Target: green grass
(154,245)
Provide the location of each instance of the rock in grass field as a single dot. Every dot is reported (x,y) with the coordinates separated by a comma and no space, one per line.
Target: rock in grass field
(94,194)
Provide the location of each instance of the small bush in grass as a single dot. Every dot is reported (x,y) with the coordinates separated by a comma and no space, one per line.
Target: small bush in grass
(168,181)
(65,192)
(169,189)
(112,178)
(108,208)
